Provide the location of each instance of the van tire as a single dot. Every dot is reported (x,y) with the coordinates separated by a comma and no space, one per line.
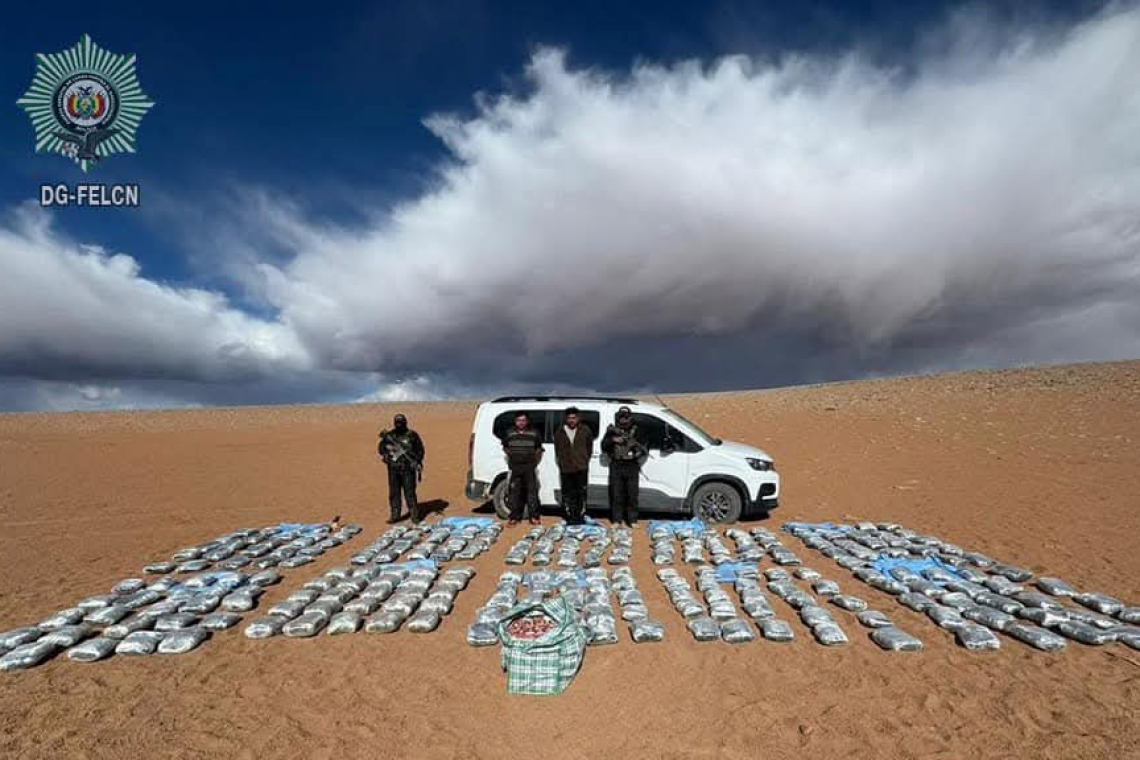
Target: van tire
(499,497)
(717,502)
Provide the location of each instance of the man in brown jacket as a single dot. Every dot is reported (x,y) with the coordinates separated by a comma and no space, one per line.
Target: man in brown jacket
(573,446)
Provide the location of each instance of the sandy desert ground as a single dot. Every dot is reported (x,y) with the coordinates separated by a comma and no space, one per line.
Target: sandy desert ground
(1036,467)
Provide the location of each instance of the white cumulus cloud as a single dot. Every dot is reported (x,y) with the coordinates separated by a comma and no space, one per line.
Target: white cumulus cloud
(698,225)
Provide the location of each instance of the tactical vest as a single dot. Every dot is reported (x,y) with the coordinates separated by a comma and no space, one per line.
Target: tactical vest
(521,447)
(628,450)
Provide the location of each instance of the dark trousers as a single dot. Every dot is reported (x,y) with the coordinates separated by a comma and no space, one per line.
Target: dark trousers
(522,493)
(574,495)
(402,480)
(624,483)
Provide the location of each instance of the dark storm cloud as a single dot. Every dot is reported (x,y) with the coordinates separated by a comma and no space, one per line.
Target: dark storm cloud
(701,226)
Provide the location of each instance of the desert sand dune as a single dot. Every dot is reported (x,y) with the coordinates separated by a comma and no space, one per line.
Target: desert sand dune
(1039,468)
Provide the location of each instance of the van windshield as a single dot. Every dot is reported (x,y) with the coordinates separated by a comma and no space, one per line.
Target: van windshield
(704,437)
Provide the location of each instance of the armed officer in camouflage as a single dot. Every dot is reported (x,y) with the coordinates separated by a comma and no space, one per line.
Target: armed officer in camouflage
(625,446)
(402,450)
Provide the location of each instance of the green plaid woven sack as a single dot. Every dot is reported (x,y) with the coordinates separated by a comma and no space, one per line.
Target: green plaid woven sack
(548,664)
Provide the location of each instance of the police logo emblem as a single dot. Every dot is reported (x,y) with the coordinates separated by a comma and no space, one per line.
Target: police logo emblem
(85,103)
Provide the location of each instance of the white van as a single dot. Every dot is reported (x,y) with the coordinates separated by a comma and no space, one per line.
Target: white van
(687,470)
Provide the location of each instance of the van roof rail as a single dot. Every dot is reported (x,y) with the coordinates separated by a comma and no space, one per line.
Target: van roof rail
(611,399)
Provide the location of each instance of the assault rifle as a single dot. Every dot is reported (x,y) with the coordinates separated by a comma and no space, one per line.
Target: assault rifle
(397,453)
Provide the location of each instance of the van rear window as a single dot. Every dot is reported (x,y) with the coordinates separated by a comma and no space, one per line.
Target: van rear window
(505,421)
(545,421)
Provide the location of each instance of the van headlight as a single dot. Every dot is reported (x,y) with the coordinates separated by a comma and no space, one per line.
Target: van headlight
(761,465)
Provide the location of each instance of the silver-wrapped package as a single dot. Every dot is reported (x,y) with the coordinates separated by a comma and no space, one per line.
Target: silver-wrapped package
(957,600)
(1129,636)
(220,621)
(825,587)
(829,634)
(162,609)
(325,606)
(345,622)
(482,635)
(384,622)
(287,610)
(722,610)
(129,586)
(28,655)
(806,574)
(814,615)
(1102,603)
(238,601)
(60,619)
(423,622)
(175,622)
(1092,618)
(265,627)
(141,599)
(1038,638)
(1047,618)
(306,625)
(1086,634)
(916,602)
(849,603)
(873,619)
(947,618)
(159,568)
(704,629)
(129,626)
(647,630)
(491,615)
(19,637)
(1015,574)
(777,630)
(140,643)
(363,606)
(402,605)
(989,617)
(182,641)
(895,640)
(1130,615)
(999,602)
(303,596)
(96,602)
(92,650)
(1037,599)
(107,615)
(737,631)
(68,636)
(265,578)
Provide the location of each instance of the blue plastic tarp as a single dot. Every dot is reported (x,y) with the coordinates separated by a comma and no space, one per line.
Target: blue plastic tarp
(592,529)
(885,565)
(414,564)
(728,572)
(696,524)
(788,527)
(297,528)
(459,523)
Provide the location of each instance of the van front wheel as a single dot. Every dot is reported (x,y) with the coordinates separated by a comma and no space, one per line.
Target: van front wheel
(499,498)
(717,503)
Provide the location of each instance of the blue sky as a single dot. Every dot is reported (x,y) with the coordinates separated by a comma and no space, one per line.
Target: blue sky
(284,129)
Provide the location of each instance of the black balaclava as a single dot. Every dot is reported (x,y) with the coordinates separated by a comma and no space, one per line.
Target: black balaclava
(401,423)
